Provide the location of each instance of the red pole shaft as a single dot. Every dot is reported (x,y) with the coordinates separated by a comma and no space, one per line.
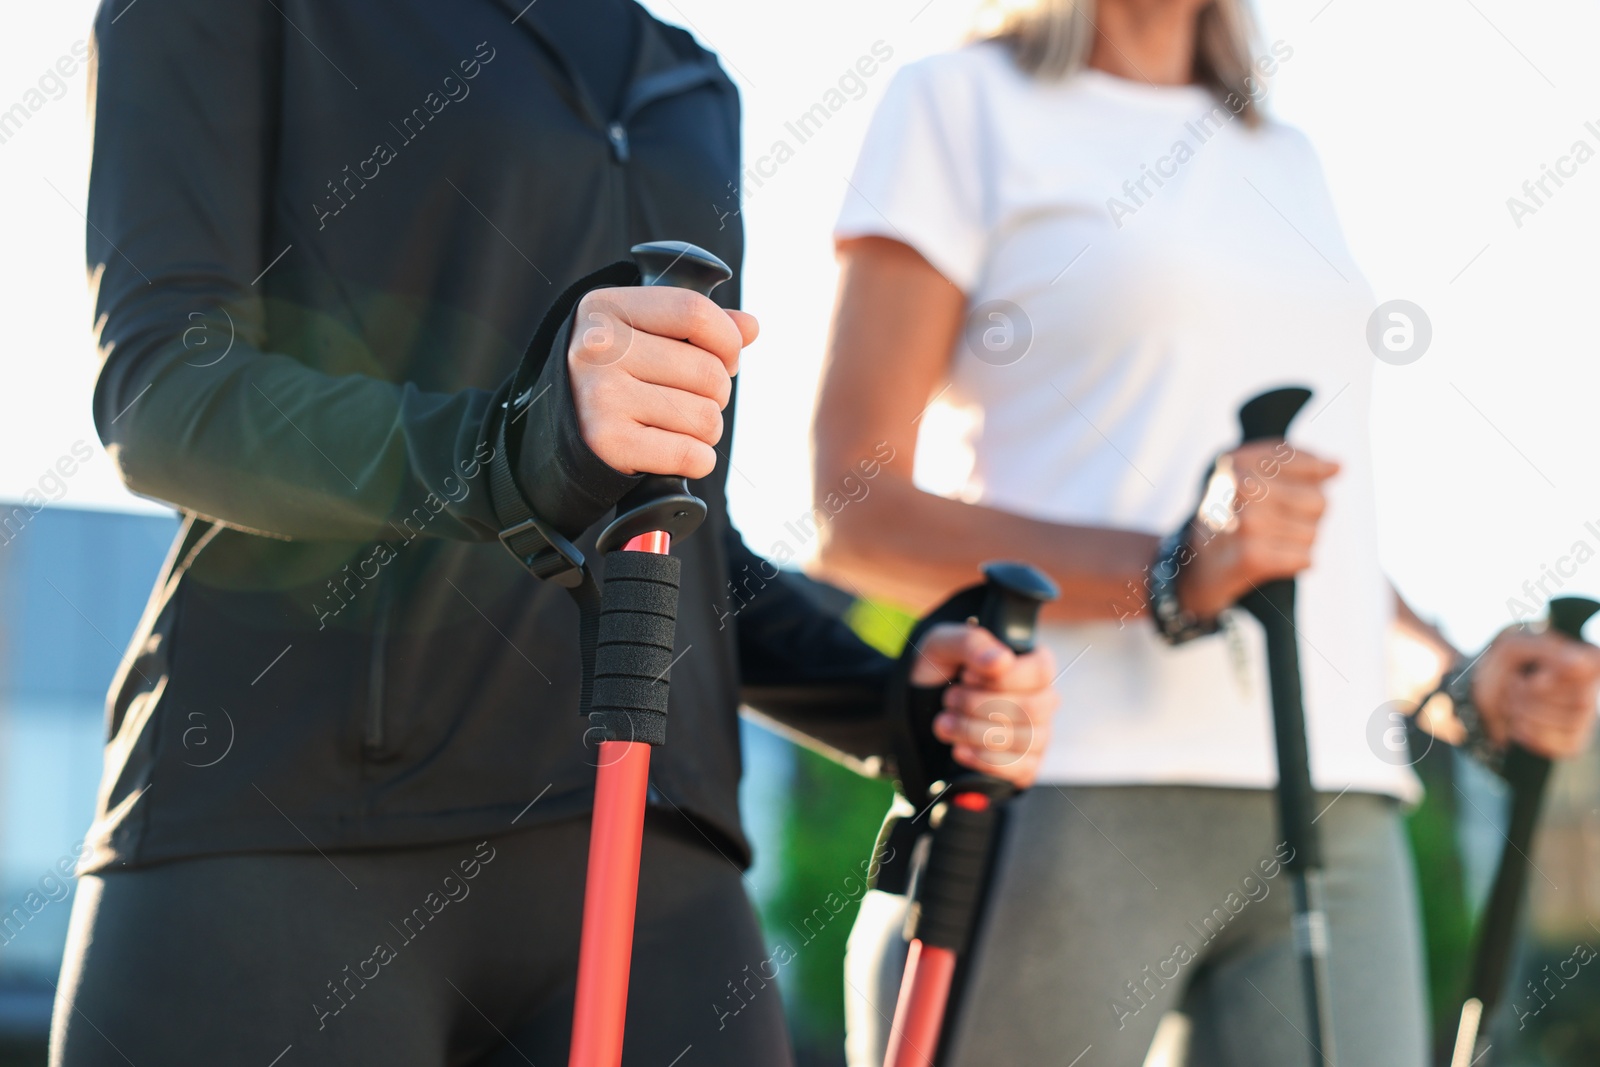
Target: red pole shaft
(919,1015)
(611,893)
(658,542)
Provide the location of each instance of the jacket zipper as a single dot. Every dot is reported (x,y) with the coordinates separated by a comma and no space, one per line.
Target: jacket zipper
(641,94)
(373,732)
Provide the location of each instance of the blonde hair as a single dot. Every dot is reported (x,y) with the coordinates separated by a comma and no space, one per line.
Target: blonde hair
(1051,39)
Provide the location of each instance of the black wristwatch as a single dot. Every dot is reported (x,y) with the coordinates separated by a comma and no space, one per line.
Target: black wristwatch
(1173,622)
(1457,685)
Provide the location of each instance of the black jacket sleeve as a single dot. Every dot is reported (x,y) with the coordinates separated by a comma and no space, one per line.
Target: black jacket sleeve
(802,669)
(192,403)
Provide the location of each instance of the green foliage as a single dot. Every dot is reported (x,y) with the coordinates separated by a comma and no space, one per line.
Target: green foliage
(1446,918)
(828,826)
(828,830)
(880,625)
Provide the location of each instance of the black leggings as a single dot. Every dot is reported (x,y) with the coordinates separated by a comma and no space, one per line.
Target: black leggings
(458,954)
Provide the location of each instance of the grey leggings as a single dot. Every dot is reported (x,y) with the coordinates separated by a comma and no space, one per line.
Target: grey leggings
(1115,905)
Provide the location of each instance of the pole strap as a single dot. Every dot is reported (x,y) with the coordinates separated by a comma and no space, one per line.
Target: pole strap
(540,548)
(547,554)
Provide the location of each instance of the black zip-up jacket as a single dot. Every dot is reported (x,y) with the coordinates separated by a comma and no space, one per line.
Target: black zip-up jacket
(321,235)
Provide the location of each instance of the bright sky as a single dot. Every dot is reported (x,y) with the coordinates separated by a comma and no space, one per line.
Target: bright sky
(1429,114)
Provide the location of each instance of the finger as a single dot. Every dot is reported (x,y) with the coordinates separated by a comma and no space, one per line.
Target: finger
(658,451)
(682,366)
(1270,525)
(1576,662)
(675,411)
(680,314)
(1554,718)
(1263,560)
(1317,471)
(951,648)
(1025,674)
(1273,458)
(1297,501)
(1553,741)
(1018,770)
(997,732)
(1032,705)
(1553,659)
(1305,466)
(749,328)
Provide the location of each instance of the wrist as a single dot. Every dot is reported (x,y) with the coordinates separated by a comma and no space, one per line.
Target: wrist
(1174,619)
(1199,595)
(1458,685)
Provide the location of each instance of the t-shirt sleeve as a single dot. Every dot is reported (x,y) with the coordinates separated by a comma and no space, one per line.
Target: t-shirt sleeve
(918,178)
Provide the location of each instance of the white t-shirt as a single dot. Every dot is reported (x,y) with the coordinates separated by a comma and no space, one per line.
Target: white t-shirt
(1168,263)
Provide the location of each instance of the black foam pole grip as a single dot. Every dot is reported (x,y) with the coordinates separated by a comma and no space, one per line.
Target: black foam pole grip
(958,866)
(633,657)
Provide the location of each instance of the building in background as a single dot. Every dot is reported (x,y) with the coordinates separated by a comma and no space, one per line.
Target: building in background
(72,585)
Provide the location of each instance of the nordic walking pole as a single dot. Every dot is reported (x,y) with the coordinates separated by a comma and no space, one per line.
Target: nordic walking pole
(638,617)
(952,885)
(1527,775)
(1272,603)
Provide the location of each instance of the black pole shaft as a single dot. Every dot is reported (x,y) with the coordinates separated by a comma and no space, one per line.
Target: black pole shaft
(1273,604)
(1527,775)
(1267,417)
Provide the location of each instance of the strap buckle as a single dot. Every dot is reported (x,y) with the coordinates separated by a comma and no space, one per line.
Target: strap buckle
(545,553)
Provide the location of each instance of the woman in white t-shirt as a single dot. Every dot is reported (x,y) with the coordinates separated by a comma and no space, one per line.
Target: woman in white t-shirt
(1084,242)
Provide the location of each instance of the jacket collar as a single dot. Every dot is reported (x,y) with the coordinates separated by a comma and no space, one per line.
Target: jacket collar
(659,69)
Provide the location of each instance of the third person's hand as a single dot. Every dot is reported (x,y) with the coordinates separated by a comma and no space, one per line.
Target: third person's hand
(1539,690)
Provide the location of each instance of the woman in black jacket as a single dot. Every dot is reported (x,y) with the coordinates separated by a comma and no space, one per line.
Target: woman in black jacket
(342,817)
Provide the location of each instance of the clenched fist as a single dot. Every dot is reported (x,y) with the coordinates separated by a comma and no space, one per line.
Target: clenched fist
(997,714)
(652,368)
(1277,504)
(1539,690)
